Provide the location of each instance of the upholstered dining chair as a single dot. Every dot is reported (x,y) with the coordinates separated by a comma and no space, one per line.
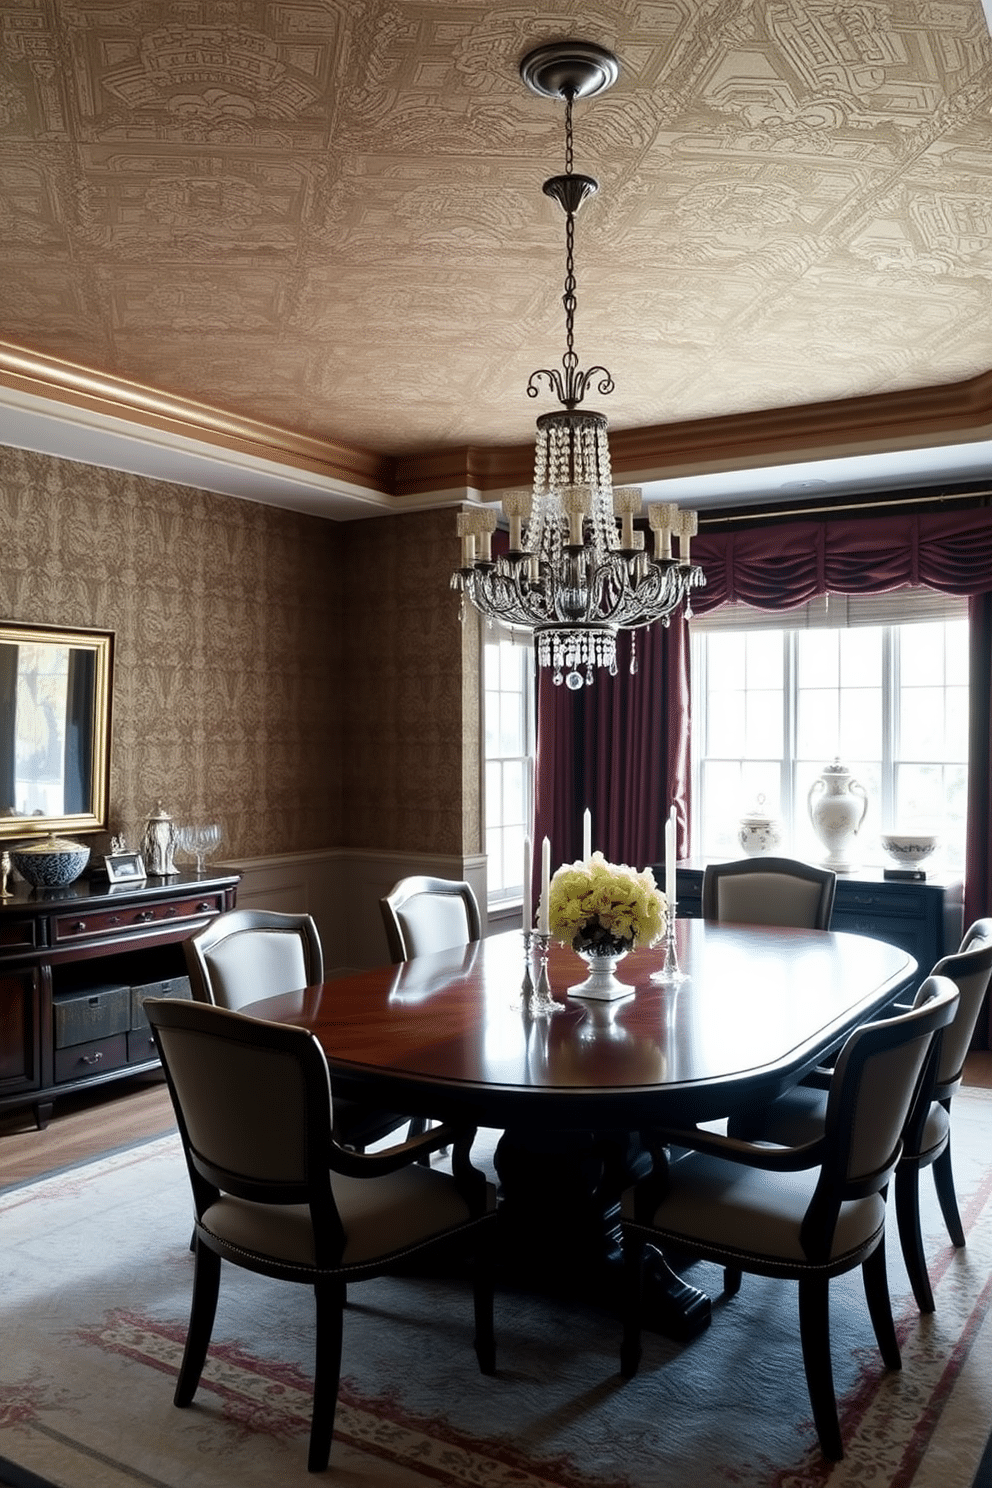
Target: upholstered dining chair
(246,954)
(798,1115)
(274,1192)
(423,914)
(769,891)
(807,1213)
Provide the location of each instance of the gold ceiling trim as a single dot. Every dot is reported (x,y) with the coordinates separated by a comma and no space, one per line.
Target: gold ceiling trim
(68,383)
(913,418)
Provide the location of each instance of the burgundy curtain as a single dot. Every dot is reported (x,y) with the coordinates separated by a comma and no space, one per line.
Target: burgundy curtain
(978,864)
(621,747)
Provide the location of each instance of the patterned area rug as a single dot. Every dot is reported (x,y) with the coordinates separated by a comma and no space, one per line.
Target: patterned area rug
(94,1296)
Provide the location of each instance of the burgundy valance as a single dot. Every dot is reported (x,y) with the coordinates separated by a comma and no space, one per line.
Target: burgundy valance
(788,564)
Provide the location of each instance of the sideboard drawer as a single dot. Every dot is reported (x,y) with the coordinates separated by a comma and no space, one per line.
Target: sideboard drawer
(172,987)
(19,934)
(80,1060)
(102,922)
(96,1013)
(894,901)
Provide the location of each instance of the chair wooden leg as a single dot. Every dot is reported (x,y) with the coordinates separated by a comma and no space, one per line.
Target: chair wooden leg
(943,1177)
(329,1298)
(876,1282)
(206,1285)
(911,1236)
(731,1280)
(814,1330)
(632,1301)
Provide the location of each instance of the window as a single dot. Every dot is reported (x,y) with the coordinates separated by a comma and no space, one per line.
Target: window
(878,681)
(509,751)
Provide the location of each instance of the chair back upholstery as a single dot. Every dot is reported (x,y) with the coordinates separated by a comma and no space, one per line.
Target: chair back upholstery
(769,891)
(423,914)
(251,953)
(875,1083)
(970,969)
(273,1151)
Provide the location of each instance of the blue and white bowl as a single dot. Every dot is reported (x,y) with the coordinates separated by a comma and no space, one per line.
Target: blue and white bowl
(909,848)
(51,863)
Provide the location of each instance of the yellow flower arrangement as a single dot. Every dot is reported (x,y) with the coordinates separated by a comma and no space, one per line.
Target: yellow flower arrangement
(596,905)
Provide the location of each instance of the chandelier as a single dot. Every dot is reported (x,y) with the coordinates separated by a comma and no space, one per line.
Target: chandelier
(577,570)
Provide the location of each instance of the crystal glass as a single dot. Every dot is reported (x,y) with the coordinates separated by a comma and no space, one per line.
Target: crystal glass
(198,840)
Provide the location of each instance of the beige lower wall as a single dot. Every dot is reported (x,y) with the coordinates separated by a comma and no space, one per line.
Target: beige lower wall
(342,889)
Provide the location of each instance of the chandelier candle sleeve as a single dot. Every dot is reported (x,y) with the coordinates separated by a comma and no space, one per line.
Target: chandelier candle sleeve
(587,834)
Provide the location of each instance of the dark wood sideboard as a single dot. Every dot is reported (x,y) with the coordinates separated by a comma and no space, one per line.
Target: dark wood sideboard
(924,917)
(75,966)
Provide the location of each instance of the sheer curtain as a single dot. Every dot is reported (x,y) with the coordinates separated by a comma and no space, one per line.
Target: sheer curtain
(621,747)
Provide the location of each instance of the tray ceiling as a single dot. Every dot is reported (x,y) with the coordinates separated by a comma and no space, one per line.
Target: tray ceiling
(313,230)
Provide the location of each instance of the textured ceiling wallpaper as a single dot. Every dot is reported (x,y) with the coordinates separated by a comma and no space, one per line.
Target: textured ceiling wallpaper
(327,214)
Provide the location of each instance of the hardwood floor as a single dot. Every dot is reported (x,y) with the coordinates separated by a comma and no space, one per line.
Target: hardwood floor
(111,1116)
(84,1125)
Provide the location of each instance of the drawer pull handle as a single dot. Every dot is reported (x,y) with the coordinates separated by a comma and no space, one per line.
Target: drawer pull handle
(79,927)
(145,916)
(93,1058)
(202,908)
(171,912)
(113,919)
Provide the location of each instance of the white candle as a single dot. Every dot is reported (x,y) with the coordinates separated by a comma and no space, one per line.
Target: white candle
(543,920)
(528,910)
(670,861)
(586,835)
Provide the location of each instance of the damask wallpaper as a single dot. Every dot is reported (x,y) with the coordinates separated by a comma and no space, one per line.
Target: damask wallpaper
(258,679)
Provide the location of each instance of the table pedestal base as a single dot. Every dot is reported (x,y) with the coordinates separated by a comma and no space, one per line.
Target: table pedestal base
(560,1225)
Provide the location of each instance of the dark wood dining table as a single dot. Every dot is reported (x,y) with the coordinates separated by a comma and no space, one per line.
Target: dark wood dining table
(453,1036)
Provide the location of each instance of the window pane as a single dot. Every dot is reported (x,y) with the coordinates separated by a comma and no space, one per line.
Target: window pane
(817,658)
(764,658)
(764,723)
(956,653)
(725,716)
(860,723)
(861,656)
(513,795)
(817,724)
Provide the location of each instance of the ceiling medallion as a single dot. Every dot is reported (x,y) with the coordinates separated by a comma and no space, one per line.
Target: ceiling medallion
(576,571)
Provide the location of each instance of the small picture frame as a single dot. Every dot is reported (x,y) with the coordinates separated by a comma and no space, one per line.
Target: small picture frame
(125,867)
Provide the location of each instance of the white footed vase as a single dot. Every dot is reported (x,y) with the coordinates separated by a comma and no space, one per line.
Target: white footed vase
(601,985)
(837,805)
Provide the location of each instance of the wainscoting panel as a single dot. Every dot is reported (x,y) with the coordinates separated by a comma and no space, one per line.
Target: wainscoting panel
(341,888)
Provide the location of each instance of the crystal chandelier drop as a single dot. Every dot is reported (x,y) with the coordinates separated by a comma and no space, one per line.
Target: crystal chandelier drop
(577,571)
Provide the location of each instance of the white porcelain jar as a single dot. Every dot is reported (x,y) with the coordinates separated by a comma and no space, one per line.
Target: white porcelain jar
(759,832)
(837,805)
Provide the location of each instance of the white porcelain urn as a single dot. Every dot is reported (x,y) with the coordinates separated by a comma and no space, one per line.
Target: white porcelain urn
(837,805)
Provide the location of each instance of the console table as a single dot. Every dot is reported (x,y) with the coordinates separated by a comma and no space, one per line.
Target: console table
(75,966)
(924,917)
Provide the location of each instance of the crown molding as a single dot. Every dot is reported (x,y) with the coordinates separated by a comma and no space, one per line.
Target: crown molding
(64,382)
(913,419)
